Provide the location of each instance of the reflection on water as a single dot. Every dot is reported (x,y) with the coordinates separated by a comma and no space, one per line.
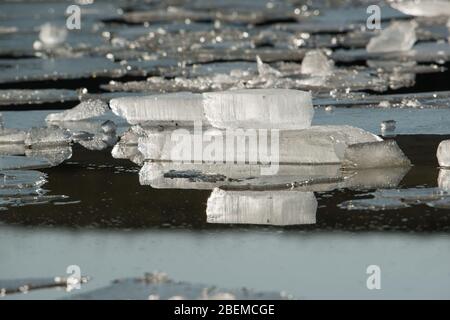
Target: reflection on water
(261,207)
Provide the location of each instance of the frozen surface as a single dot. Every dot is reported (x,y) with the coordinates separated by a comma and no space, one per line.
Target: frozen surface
(261,207)
(24,70)
(158,286)
(443,153)
(184,107)
(399,36)
(20,162)
(28,96)
(265,108)
(84,110)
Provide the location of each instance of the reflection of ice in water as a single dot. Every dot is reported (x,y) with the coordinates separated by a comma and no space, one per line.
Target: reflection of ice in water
(261,207)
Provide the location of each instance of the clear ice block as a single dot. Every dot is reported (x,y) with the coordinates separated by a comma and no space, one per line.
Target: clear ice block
(169,108)
(259,108)
(84,110)
(317,63)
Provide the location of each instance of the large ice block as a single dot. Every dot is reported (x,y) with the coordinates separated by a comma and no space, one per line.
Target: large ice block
(375,155)
(259,108)
(84,110)
(171,108)
(399,36)
(261,207)
(315,145)
(443,153)
(316,63)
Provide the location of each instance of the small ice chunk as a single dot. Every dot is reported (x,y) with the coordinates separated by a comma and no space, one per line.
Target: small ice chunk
(424,8)
(388,125)
(375,155)
(317,63)
(259,109)
(51,35)
(399,36)
(443,153)
(48,136)
(85,110)
(444,179)
(261,207)
(170,108)
(55,155)
(265,70)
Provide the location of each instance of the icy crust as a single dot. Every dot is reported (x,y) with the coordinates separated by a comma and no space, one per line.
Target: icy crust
(169,108)
(443,153)
(315,145)
(261,207)
(259,108)
(399,36)
(85,110)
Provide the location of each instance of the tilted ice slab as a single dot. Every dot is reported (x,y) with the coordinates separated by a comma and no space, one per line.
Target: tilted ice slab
(85,110)
(443,153)
(259,108)
(167,108)
(261,207)
(54,155)
(315,145)
(47,136)
(425,8)
(399,36)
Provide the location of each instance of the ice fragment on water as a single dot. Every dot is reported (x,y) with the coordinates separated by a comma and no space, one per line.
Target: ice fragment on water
(443,153)
(261,207)
(173,107)
(84,110)
(259,109)
(52,35)
(399,36)
(375,155)
(425,8)
(316,62)
(48,136)
(265,70)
